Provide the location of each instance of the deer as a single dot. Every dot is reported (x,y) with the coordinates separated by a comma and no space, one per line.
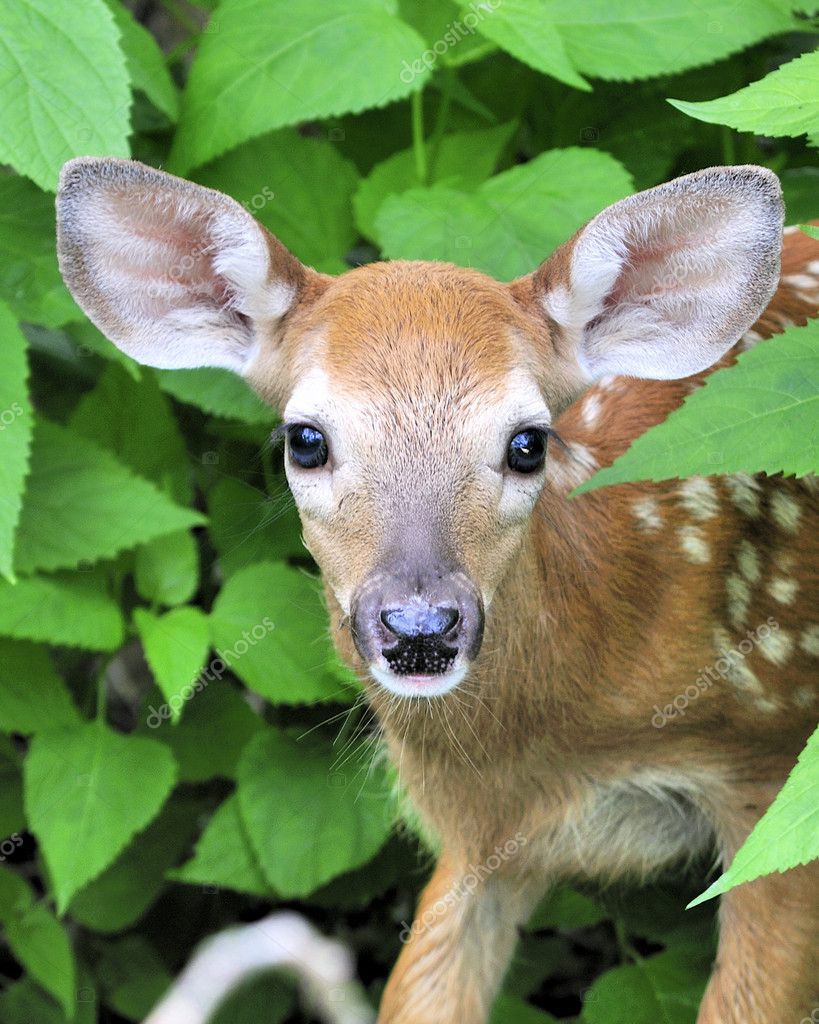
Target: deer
(517,644)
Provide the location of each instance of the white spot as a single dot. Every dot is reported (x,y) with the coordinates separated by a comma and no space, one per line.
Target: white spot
(776,647)
(590,410)
(765,705)
(811,483)
(790,230)
(700,498)
(739,675)
(418,686)
(783,590)
(748,340)
(739,597)
(694,545)
(804,697)
(779,318)
(786,511)
(744,491)
(809,640)
(801,281)
(812,267)
(748,561)
(647,511)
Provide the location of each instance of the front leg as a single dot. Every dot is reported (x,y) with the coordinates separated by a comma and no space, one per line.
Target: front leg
(460,945)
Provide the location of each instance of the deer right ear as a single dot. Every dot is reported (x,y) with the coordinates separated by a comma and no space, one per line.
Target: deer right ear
(175,274)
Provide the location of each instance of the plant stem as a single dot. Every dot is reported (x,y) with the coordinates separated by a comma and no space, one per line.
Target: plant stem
(418,144)
(441,120)
(729,152)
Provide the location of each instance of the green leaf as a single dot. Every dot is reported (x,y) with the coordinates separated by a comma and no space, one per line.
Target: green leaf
(166,569)
(215,728)
(90,342)
(566,909)
(145,62)
(15,435)
(758,416)
(785,102)
(224,858)
(40,943)
(30,279)
(800,189)
(512,222)
(509,1010)
(464,161)
(528,30)
(66,609)
(24,1003)
(307,819)
(176,647)
(88,790)
(299,188)
(218,392)
(122,894)
(629,39)
(264,64)
(64,83)
(811,230)
(16,895)
(134,420)
(269,997)
(787,834)
(249,526)
(132,976)
(71,478)
(12,814)
(665,989)
(269,626)
(33,697)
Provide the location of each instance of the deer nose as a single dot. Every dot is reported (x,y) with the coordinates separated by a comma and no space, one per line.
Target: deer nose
(420,621)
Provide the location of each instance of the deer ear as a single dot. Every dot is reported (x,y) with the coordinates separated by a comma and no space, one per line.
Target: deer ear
(661,284)
(175,274)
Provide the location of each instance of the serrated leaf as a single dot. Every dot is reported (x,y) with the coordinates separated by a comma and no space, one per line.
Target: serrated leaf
(787,834)
(224,858)
(70,610)
(758,416)
(30,279)
(785,102)
(145,62)
(64,84)
(218,392)
(132,976)
(526,29)
(40,943)
(16,895)
(629,39)
(176,647)
(269,626)
(509,1010)
(89,342)
(33,697)
(122,894)
(810,229)
(299,188)
(309,820)
(88,790)
(166,569)
(512,222)
(248,526)
(263,64)
(12,814)
(134,420)
(464,161)
(70,479)
(566,909)
(15,435)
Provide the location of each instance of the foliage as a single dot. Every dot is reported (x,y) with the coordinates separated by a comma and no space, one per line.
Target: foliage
(179,746)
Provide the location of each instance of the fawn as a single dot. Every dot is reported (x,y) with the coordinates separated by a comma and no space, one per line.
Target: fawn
(419,400)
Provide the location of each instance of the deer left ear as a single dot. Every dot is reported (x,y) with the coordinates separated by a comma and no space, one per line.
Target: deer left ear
(662,284)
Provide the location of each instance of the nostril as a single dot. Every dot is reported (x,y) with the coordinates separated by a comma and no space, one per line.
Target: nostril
(420,622)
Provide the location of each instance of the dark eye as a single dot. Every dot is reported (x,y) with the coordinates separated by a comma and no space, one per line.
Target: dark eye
(526,451)
(308,447)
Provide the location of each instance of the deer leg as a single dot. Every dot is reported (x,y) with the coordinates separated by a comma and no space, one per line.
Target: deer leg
(459,947)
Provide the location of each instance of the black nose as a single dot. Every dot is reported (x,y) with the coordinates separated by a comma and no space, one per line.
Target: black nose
(420,621)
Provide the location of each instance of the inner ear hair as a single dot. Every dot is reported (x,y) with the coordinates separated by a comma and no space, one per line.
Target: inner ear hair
(175,274)
(661,284)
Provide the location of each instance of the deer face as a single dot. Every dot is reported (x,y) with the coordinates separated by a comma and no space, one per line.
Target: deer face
(417,398)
